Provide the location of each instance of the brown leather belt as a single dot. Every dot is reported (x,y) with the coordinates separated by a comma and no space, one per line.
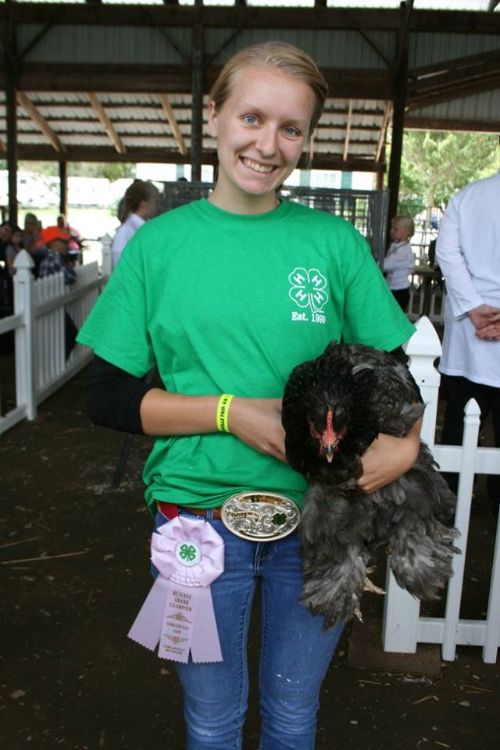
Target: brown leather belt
(171,510)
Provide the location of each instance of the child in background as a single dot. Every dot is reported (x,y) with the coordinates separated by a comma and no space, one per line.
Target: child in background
(399,261)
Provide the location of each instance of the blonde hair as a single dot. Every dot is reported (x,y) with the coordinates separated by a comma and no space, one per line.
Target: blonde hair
(406,222)
(281,55)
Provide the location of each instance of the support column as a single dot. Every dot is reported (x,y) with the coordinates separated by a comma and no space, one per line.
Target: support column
(400,90)
(197,107)
(11,116)
(63,188)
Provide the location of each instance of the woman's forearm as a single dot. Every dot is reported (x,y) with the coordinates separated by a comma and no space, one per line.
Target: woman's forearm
(388,458)
(254,421)
(165,413)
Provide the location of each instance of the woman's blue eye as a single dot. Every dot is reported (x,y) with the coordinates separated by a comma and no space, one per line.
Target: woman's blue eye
(250,119)
(292,132)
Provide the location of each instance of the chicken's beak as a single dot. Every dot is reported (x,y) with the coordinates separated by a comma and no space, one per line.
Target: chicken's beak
(330,438)
(329,451)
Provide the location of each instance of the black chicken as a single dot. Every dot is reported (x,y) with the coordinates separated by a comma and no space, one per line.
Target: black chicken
(333,408)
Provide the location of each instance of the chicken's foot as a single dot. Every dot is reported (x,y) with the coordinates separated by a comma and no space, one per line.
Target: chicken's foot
(370,586)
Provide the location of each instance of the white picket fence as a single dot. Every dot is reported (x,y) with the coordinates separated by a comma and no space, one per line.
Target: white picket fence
(403,627)
(427,296)
(38,325)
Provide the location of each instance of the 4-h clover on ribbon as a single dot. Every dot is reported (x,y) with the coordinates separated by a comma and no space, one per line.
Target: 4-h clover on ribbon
(308,288)
(188,553)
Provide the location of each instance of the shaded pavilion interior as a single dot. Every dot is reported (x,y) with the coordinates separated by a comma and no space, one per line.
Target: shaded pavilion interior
(105,82)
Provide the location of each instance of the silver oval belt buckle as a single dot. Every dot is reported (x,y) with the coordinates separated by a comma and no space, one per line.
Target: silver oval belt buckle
(260,516)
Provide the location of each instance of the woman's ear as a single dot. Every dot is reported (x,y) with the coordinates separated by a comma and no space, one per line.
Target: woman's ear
(212,119)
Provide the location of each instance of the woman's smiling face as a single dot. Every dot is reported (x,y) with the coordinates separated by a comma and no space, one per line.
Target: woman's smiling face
(261,131)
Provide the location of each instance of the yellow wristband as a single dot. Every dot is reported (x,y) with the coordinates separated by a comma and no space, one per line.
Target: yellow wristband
(222,414)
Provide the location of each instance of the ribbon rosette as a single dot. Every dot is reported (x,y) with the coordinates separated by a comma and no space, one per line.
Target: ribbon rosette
(178,612)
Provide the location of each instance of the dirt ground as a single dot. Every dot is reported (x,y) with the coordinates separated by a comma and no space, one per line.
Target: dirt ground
(74,570)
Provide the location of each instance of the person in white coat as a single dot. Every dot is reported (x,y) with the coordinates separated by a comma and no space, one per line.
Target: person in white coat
(468,253)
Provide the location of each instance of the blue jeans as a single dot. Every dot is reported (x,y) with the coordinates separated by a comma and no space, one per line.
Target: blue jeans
(295,652)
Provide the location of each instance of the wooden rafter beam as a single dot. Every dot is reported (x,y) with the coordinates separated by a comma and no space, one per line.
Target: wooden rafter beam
(3,147)
(106,123)
(25,102)
(173,15)
(344,83)
(457,90)
(383,131)
(465,126)
(348,130)
(460,68)
(30,152)
(172,121)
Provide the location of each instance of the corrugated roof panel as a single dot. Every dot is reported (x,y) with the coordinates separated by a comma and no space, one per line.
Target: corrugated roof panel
(149,114)
(105,44)
(81,139)
(25,125)
(430,48)
(62,127)
(124,99)
(32,139)
(137,128)
(343,49)
(154,143)
(59,97)
(63,112)
(484,106)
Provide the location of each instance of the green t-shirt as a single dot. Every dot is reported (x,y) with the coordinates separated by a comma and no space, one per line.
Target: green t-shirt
(229,303)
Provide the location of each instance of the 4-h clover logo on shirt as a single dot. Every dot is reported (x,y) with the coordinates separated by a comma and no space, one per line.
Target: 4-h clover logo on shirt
(308,288)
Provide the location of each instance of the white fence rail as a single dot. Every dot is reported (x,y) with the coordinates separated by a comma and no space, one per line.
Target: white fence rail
(427,295)
(403,627)
(38,324)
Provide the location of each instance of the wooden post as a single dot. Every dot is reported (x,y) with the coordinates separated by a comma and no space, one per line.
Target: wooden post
(399,93)
(10,102)
(63,188)
(197,111)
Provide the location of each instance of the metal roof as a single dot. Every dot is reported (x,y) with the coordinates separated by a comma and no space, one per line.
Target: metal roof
(99,83)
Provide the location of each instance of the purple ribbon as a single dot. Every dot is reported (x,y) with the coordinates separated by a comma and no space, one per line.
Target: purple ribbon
(178,612)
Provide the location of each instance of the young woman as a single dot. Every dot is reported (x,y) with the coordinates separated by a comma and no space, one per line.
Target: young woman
(140,203)
(226,296)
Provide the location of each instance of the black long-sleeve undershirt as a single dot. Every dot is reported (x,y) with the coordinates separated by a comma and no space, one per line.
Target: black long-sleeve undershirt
(114,396)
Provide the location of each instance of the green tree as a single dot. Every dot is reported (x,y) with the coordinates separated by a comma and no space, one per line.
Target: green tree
(436,164)
(111,170)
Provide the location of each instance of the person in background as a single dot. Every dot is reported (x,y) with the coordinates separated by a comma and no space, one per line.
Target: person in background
(400,261)
(55,242)
(228,294)
(468,253)
(5,235)
(31,233)
(75,243)
(6,228)
(13,246)
(140,204)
